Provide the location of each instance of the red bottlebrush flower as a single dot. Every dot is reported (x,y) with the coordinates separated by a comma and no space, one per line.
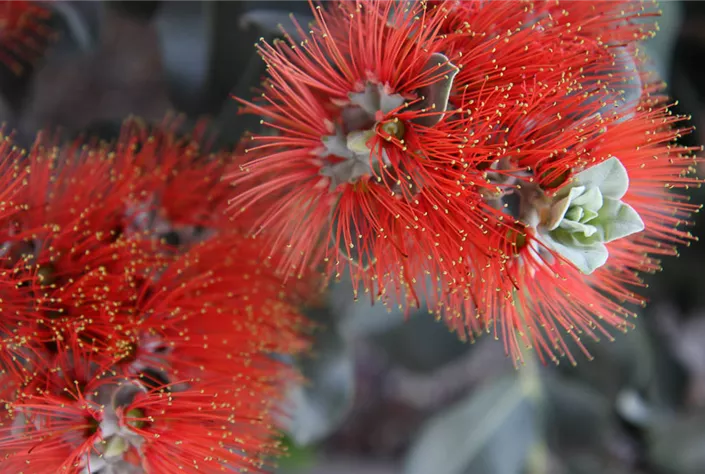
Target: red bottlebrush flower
(537,291)
(62,253)
(52,430)
(227,432)
(23,32)
(367,161)
(478,147)
(183,190)
(210,310)
(117,425)
(11,176)
(103,315)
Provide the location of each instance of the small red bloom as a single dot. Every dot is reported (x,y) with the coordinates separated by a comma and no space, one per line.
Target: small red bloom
(66,265)
(23,32)
(105,314)
(52,430)
(205,428)
(11,176)
(183,197)
(209,311)
(63,263)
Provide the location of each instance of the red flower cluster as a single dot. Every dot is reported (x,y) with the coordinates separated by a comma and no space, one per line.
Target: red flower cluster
(23,32)
(140,333)
(511,161)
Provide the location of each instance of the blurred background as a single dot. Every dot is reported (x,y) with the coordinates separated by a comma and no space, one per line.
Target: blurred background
(387,396)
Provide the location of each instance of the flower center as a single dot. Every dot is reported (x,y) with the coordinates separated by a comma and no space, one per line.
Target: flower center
(117,436)
(393,128)
(349,153)
(46,274)
(135,418)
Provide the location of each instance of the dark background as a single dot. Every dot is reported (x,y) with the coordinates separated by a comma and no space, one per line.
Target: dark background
(387,397)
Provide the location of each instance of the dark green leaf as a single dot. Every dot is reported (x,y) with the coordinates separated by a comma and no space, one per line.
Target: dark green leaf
(490,432)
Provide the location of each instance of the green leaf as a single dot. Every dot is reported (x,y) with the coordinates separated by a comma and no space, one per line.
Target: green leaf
(575,214)
(587,259)
(389,102)
(610,177)
(115,446)
(590,200)
(587,215)
(335,145)
(618,220)
(560,207)
(577,228)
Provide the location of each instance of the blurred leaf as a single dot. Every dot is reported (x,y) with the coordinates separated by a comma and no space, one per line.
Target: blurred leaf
(297,457)
(320,405)
(239,61)
(670,383)
(660,47)
(187,40)
(421,344)
(205,55)
(349,464)
(639,360)
(418,343)
(79,25)
(677,446)
(14,89)
(633,409)
(107,130)
(6,113)
(577,415)
(628,361)
(490,432)
(16,82)
(271,21)
(359,318)
(589,463)
(584,432)
(143,10)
